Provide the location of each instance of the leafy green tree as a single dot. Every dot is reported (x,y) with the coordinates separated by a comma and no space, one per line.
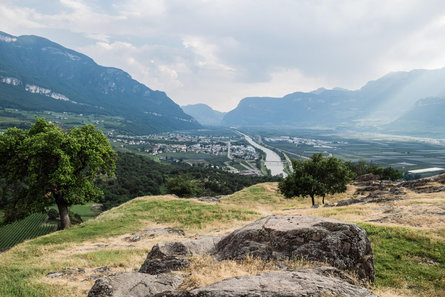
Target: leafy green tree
(317,176)
(334,176)
(183,186)
(362,167)
(46,165)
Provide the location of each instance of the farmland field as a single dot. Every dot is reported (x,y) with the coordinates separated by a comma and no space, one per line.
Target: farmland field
(37,225)
(402,154)
(32,226)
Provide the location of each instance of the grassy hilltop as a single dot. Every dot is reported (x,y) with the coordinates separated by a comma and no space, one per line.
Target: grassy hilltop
(409,249)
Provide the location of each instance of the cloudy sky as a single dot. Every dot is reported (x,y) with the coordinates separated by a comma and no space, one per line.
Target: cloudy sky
(220,51)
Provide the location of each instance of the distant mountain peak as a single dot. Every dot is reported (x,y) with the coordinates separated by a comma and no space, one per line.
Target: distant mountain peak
(379,101)
(318,91)
(204,114)
(7,38)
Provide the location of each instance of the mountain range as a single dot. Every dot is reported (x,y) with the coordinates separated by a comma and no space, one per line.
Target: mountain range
(37,74)
(383,104)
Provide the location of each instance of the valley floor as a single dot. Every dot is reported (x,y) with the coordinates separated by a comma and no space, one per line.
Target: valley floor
(408,239)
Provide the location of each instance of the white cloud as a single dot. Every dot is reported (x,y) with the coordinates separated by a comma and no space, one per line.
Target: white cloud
(220,51)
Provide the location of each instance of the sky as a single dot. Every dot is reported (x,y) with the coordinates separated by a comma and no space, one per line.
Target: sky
(219,51)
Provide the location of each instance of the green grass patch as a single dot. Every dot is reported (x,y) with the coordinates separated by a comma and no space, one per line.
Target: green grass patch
(85,211)
(128,217)
(253,195)
(407,259)
(112,258)
(13,284)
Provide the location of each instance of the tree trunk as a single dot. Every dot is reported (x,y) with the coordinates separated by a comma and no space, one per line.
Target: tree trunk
(64,215)
(323,198)
(313,201)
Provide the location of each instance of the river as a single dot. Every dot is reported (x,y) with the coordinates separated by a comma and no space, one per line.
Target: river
(273,161)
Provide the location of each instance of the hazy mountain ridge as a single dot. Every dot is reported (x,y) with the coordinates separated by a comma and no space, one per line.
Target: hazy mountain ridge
(204,114)
(375,104)
(426,115)
(37,74)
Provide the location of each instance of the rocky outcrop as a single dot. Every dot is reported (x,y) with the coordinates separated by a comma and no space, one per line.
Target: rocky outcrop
(170,256)
(368,199)
(135,284)
(345,246)
(308,282)
(420,185)
(367,177)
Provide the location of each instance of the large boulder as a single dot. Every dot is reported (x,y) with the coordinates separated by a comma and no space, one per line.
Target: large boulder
(170,256)
(309,282)
(135,284)
(345,246)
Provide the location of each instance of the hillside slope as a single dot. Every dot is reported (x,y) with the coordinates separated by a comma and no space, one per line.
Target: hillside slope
(37,74)
(408,252)
(425,116)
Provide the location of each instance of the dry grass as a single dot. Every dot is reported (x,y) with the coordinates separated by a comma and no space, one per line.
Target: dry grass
(205,270)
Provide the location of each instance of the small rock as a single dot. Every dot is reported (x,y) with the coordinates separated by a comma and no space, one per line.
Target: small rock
(55,274)
(169,256)
(211,198)
(103,269)
(151,233)
(65,272)
(96,207)
(167,264)
(135,284)
(165,230)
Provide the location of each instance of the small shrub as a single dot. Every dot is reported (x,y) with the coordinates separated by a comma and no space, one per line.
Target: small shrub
(53,214)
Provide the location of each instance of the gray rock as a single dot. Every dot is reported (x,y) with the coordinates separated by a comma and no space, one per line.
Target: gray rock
(103,269)
(368,199)
(166,264)
(165,231)
(367,177)
(169,256)
(135,284)
(303,283)
(151,233)
(66,271)
(345,246)
(211,198)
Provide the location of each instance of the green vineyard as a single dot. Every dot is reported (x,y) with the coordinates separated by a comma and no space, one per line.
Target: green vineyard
(30,227)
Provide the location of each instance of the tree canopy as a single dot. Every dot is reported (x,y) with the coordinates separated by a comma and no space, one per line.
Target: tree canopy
(362,167)
(317,176)
(45,165)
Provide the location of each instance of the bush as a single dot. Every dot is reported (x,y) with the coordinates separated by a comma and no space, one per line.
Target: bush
(53,214)
(75,218)
(183,186)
